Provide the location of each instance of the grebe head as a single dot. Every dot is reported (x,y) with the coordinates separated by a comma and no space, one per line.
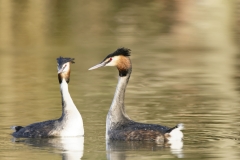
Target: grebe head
(119,58)
(63,67)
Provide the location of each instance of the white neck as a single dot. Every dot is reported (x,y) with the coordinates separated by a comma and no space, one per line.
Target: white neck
(71,118)
(67,102)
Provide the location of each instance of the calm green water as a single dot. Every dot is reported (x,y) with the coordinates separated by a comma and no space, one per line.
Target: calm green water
(186,69)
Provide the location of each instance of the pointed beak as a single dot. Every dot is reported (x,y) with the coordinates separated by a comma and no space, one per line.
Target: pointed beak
(59,71)
(102,64)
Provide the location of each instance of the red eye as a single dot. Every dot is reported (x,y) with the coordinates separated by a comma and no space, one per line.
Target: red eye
(110,59)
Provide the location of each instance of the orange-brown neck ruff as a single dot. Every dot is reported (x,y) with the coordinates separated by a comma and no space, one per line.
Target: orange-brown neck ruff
(124,66)
(65,75)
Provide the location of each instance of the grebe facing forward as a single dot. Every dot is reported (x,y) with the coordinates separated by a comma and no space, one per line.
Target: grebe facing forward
(69,124)
(118,125)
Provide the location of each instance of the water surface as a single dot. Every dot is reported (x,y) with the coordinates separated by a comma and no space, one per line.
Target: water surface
(185,59)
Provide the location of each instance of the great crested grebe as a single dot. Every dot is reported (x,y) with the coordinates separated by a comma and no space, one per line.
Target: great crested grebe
(118,125)
(69,124)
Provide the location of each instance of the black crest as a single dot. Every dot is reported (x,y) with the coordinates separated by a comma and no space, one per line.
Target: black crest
(120,51)
(62,60)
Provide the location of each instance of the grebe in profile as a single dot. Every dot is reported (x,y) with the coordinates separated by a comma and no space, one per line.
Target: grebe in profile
(118,125)
(69,124)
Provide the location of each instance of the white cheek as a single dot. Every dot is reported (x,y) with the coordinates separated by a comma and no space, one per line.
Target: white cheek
(113,62)
(66,68)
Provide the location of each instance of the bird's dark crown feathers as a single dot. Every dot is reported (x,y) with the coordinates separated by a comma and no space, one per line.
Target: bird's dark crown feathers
(62,60)
(120,51)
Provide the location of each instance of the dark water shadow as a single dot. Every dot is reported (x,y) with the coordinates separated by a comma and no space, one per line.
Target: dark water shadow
(116,150)
(71,148)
